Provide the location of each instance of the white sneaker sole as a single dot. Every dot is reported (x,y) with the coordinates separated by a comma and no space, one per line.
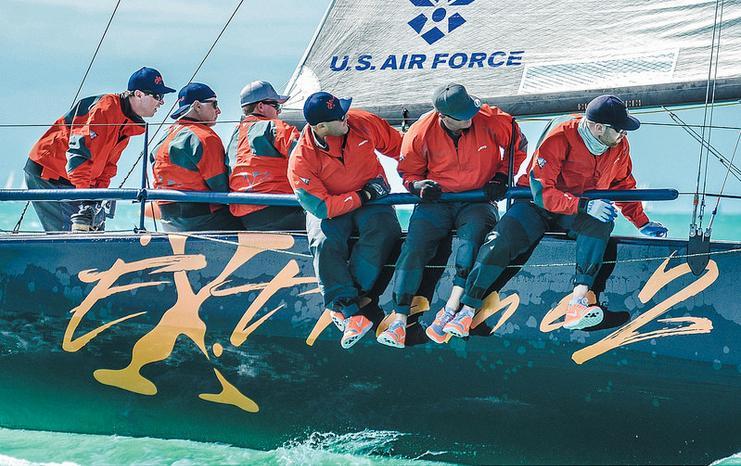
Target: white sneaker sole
(590,319)
(384,340)
(455,332)
(354,339)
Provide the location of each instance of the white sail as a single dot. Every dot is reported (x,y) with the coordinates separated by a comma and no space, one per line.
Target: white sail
(528,56)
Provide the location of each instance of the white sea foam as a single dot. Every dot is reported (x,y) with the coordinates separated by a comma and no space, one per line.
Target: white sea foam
(33,448)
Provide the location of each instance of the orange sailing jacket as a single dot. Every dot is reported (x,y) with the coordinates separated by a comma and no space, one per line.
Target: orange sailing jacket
(191,158)
(563,168)
(428,151)
(258,152)
(84,145)
(326,181)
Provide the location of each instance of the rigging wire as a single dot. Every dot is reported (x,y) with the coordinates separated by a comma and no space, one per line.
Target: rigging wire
(712,112)
(703,156)
(198,68)
(723,186)
(736,171)
(95,54)
(77,94)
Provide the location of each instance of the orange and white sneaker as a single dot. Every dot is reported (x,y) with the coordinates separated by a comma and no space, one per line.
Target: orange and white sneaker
(435,330)
(461,324)
(579,315)
(355,328)
(338,319)
(395,335)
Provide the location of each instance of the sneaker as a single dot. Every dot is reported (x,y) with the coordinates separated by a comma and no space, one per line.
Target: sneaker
(579,315)
(460,324)
(355,328)
(395,335)
(435,330)
(338,319)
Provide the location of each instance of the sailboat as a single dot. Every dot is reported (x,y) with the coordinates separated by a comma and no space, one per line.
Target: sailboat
(222,337)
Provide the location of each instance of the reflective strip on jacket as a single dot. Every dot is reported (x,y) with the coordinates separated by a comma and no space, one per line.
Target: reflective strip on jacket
(84,145)
(191,157)
(258,153)
(428,151)
(563,168)
(326,181)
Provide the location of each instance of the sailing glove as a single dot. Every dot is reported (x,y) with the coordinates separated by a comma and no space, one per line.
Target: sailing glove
(374,189)
(83,220)
(654,229)
(496,189)
(427,190)
(601,209)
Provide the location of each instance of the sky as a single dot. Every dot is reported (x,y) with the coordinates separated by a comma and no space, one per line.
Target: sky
(47,45)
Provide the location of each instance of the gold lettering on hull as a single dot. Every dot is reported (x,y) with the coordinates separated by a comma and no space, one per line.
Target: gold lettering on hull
(628,333)
(183,319)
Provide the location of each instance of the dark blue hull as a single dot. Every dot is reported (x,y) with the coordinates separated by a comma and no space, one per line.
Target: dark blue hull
(202,340)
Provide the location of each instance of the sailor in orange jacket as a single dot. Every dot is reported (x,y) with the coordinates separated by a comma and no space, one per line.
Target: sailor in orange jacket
(459,146)
(82,148)
(191,157)
(581,154)
(335,172)
(258,152)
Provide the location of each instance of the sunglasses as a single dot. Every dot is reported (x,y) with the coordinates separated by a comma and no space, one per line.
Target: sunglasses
(619,131)
(154,95)
(214,103)
(451,118)
(272,103)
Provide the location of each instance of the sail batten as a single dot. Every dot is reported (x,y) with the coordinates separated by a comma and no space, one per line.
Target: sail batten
(529,57)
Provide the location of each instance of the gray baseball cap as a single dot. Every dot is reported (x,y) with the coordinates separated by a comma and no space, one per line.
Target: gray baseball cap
(257,91)
(452,100)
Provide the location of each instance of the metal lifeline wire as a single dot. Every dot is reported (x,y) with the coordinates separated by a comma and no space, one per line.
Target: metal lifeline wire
(561,264)
(736,171)
(198,68)
(723,186)
(696,200)
(712,109)
(77,94)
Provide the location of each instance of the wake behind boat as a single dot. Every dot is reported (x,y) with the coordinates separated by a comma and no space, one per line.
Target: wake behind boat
(222,336)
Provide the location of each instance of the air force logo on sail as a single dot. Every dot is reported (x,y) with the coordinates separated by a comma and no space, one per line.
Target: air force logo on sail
(431,27)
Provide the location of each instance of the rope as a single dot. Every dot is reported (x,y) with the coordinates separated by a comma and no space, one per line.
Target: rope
(95,54)
(562,264)
(696,200)
(712,113)
(723,186)
(721,158)
(198,68)
(17,226)
(77,94)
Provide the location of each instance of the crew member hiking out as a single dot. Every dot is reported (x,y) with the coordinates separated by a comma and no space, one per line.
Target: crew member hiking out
(461,145)
(585,153)
(258,153)
(334,172)
(82,148)
(191,157)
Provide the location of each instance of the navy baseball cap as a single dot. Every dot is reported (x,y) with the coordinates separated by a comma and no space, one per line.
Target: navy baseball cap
(452,100)
(148,79)
(610,110)
(323,106)
(257,91)
(189,94)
